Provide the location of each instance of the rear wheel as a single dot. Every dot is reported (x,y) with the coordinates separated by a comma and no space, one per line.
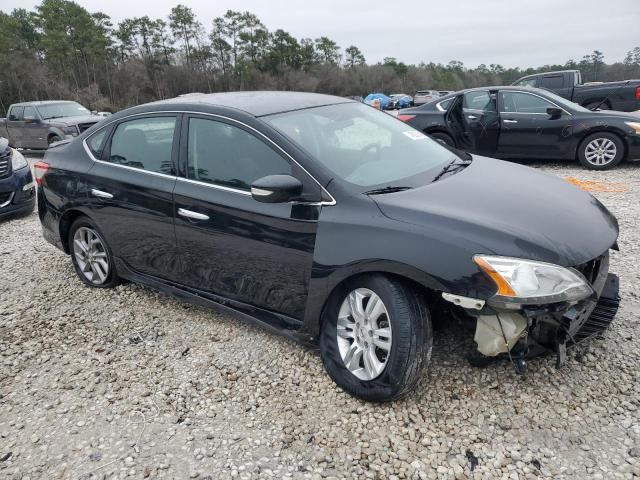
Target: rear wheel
(443,138)
(376,338)
(601,151)
(91,256)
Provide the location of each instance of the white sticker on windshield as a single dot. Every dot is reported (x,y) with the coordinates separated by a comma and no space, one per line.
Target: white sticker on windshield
(415,135)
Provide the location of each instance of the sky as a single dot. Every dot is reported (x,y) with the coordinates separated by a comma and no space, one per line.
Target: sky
(513,33)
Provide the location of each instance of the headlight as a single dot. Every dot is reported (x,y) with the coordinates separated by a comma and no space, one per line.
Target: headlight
(635,126)
(529,282)
(17,160)
(70,131)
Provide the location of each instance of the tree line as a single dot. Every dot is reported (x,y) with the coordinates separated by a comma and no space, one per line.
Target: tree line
(60,50)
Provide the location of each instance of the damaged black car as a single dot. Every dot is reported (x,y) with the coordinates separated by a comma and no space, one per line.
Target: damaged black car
(334,224)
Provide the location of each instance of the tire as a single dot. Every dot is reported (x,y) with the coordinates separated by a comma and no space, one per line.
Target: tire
(53,139)
(610,144)
(591,106)
(443,138)
(410,340)
(102,275)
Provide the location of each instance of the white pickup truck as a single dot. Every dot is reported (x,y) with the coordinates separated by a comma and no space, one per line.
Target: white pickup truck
(36,125)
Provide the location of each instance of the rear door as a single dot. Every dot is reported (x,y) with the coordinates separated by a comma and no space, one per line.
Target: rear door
(558,83)
(131,188)
(230,244)
(35,131)
(482,120)
(15,123)
(527,130)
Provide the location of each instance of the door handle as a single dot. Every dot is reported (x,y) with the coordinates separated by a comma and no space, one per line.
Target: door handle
(506,120)
(100,193)
(471,117)
(194,215)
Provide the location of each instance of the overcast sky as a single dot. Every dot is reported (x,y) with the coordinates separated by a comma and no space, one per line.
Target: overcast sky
(510,32)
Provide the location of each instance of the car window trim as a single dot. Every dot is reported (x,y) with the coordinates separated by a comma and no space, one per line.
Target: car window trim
(529,113)
(188,112)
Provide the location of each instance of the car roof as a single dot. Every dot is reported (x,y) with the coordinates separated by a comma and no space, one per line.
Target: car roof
(42,102)
(260,103)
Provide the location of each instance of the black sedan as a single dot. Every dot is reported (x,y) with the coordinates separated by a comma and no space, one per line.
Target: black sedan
(17,188)
(528,123)
(333,223)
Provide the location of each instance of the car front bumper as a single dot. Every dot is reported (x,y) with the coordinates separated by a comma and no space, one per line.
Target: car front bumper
(17,193)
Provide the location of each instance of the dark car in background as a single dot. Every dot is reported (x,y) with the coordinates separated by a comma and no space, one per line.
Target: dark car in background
(17,188)
(623,96)
(528,123)
(333,223)
(36,125)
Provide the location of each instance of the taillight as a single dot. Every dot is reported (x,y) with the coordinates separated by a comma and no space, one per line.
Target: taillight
(40,168)
(406,118)
(637,93)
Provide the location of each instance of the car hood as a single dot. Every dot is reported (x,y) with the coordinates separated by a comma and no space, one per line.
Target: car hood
(68,121)
(508,209)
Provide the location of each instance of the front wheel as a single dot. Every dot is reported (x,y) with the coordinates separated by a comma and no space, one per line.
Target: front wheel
(601,151)
(376,338)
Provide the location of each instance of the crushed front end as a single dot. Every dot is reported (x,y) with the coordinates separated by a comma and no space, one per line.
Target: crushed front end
(518,324)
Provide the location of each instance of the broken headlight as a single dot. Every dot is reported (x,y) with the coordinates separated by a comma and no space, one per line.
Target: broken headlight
(529,282)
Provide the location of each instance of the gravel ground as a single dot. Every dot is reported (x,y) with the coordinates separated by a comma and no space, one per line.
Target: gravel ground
(130,383)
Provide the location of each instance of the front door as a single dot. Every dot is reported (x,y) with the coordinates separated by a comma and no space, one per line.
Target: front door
(131,189)
(528,131)
(230,244)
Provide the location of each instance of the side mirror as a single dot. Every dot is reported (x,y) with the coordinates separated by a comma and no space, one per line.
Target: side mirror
(276,189)
(554,112)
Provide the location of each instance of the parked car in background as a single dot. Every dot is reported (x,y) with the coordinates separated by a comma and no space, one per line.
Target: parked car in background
(623,96)
(425,96)
(401,100)
(36,125)
(332,223)
(17,188)
(445,92)
(518,122)
(384,101)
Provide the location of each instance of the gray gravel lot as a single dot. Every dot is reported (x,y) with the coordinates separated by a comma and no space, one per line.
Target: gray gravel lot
(131,383)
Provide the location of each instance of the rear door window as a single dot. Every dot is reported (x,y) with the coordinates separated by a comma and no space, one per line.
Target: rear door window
(16,113)
(144,143)
(479,100)
(552,82)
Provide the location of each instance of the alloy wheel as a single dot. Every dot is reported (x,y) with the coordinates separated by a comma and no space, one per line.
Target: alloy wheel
(91,255)
(600,151)
(364,334)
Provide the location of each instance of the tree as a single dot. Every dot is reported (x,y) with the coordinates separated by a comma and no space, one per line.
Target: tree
(354,56)
(184,26)
(328,50)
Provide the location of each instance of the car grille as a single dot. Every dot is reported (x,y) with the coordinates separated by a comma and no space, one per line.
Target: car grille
(591,269)
(599,320)
(85,126)
(5,164)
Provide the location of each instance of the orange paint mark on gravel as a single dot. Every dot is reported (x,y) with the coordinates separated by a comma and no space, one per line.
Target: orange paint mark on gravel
(591,186)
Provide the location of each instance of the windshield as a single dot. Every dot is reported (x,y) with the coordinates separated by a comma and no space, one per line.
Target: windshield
(62,109)
(364,146)
(563,102)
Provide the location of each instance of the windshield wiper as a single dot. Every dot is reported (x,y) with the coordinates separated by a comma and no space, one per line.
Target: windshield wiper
(454,164)
(389,189)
